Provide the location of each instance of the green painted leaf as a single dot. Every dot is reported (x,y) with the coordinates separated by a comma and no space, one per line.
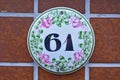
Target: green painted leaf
(36,27)
(41,40)
(53,60)
(59,24)
(57,69)
(61,64)
(45,65)
(61,57)
(38,36)
(69,59)
(53,22)
(31,43)
(57,62)
(66,22)
(41,48)
(35,46)
(80,35)
(84,23)
(33,36)
(40,31)
(51,67)
(81,45)
(39,22)
(62,68)
(63,60)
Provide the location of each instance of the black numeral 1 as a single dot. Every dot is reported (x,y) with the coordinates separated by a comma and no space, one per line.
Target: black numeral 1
(69,44)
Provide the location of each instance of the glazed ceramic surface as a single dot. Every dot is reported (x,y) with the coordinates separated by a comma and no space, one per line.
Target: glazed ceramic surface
(61,40)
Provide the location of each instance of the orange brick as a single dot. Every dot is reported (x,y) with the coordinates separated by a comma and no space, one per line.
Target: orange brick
(75,4)
(16,6)
(104,73)
(107,34)
(16,73)
(79,75)
(105,6)
(13,39)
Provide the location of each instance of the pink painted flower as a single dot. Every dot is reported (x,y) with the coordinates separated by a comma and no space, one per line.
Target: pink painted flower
(44,58)
(78,55)
(46,22)
(75,22)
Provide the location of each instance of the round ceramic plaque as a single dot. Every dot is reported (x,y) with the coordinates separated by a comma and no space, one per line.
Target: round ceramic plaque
(61,40)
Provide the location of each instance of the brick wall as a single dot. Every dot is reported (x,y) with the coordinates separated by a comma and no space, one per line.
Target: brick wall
(16,17)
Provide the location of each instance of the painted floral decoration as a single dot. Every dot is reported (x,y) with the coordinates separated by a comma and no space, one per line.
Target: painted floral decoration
(60,18)
(44,58)
(75,22)
(78,55)
(46,22)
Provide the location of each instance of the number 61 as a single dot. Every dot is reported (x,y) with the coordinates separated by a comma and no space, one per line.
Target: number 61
(69,44)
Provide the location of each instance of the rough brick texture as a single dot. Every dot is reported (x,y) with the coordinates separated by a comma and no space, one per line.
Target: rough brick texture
(13,39)
(104,73)
(16,73)
(107,34)
(105,6)
(75,4)
(79,75)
